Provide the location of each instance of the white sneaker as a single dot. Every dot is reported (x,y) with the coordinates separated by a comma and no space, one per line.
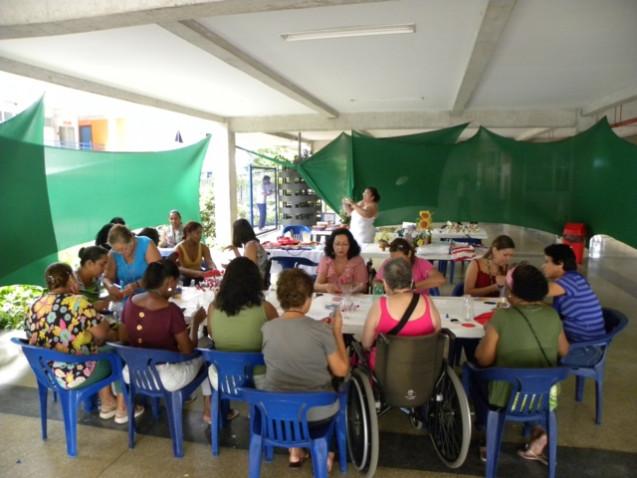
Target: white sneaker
(120,420)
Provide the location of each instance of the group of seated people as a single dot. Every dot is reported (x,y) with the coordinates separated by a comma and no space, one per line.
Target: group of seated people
(302,353)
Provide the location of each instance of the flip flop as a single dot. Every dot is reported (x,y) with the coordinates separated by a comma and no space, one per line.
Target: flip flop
(107,413)
(298,464)
(529,455)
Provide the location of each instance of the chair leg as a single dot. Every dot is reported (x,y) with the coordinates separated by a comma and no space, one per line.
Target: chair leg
(174,406)
(130,409)
(154,406)
(579,388)
(341,441)
(43,392)
(495,425)
(319,457)
(215,422)
(552,443)
(69,411)
(599,398)
(254,460)
(268,453)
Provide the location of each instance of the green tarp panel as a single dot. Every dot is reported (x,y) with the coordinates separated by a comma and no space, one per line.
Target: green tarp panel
(88,188)
(56,198)
(588,178)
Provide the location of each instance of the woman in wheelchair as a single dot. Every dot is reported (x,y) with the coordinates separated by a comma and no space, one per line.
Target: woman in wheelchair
(302,354)
(386,313)
(527,335)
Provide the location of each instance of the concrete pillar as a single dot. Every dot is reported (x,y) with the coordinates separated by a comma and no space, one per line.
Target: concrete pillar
(225,182)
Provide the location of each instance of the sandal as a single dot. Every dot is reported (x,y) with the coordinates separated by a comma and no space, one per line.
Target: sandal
(121,419)
(232,414)
(531,456)
(298,463)
(108,413)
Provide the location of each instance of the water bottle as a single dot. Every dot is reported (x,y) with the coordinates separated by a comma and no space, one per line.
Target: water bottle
(468,308)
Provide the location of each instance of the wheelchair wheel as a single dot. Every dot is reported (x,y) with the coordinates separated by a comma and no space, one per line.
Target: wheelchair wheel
(362,424)
(448,419)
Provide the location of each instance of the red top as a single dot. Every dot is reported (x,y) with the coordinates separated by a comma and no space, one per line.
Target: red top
(485,280)
(419,326)
(153,329)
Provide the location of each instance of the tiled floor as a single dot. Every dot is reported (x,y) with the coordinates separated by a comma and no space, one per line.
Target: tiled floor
(585,450)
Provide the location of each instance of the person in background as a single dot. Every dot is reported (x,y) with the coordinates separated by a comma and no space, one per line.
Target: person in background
(363,214)
(575,301)
(68,323)
(236,316)
(302,354)
(191,255)
(423,274)
(92,264)
(150,320)
(243,236)
(529,334)
(267,188)
(341,266)
(486,276)
(173,233)
(101,238)
(151,233)
(387,311)
(127,261)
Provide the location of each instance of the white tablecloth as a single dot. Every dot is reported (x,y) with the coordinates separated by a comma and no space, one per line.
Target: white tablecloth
(438,233)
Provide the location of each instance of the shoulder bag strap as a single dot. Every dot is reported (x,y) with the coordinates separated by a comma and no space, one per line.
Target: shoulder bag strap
(548,362)
(410,308)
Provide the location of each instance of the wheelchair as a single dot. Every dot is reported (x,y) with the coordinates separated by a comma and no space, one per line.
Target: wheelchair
(412,374)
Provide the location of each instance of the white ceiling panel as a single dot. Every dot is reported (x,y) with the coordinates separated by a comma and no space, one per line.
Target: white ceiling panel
(561,53)
(151,61)
(419,71)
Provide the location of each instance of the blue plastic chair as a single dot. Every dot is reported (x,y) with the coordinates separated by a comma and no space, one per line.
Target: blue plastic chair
(528,403)
(614,322)
(297,230)
(458,290)
(41,361)
(280,420)
(144,380)
(234,370)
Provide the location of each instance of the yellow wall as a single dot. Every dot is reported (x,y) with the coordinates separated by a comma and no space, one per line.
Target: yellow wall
(99,128)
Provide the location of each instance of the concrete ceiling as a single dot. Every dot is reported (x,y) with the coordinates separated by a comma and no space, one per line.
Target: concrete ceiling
(534,69)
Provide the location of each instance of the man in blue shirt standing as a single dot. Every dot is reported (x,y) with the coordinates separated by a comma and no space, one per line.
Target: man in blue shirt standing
(575,301)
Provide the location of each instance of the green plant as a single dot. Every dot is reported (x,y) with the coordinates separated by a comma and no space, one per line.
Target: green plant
(207,210)
(15,301)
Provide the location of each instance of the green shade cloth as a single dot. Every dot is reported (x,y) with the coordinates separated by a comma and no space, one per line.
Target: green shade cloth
(588,178)
(57,198)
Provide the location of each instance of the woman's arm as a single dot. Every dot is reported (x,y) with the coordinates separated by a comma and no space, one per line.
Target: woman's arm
(270,310)
(562,344)
(361,275)
(338,361)
(152,253)
(435,315)
(100,332)
(434,279)
(555,289)
(209,264)
(371,322)
(184,344)
(470,282)
(366,211)
(110,276)
(250,251)
(321,284)
(486,350)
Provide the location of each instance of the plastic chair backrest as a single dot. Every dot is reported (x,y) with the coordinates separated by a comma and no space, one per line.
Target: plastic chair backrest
(282,417)
(41,360)
(614,323)
(234,369)
(142,363)
(530,387)
(458,290)
(408,367)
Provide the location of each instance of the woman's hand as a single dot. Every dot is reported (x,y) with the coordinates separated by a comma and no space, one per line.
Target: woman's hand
(129,289)
(101,305)
(115,293)
(332,288)
(337,323)
(500,280)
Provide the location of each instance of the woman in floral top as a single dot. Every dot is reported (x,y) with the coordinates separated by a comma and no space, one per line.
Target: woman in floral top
(341,266)
(68,323)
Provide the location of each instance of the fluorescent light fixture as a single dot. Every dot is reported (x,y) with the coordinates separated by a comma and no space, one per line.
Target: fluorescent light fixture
(347,32)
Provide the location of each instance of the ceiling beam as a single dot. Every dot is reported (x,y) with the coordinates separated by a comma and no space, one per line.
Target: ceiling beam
(495,18)
(532,133)
(202,37)
(38,73)
(553,118)
(31,18)
(609,101)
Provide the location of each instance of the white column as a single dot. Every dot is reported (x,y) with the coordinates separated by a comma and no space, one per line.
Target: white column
(222,145)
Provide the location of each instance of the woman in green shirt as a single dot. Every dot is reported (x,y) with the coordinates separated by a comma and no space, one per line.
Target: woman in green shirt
(527,335)
(237,314)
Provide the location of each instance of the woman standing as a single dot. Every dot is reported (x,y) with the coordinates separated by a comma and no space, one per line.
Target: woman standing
(486,276)
(363,214)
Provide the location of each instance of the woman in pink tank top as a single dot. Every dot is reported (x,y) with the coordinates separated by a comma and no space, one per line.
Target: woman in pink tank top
(386,313)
